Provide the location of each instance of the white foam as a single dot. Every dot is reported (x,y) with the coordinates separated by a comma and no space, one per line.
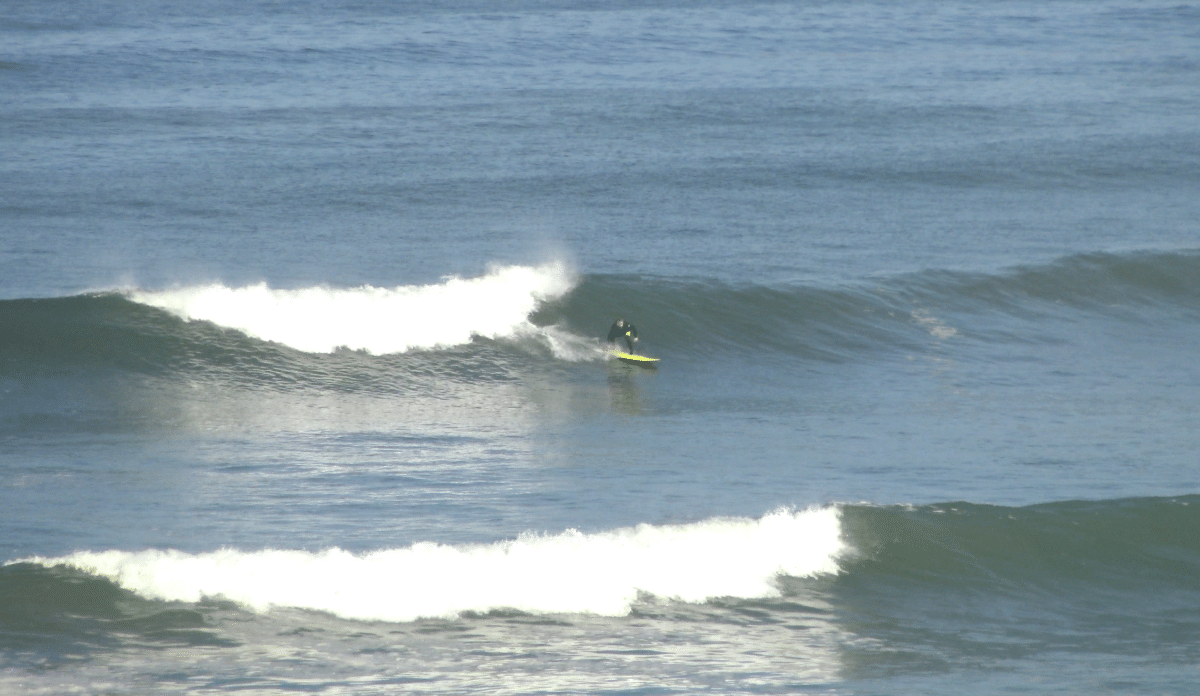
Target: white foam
(936,327)
(564,573)
(377,320)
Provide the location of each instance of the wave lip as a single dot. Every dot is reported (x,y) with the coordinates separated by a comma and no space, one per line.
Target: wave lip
(571,572)
(375,320)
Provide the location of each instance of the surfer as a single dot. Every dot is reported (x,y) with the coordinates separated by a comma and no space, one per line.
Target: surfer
(622,328)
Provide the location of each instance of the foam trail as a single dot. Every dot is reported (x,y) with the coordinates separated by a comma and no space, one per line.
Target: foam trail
(377,320)
(564,573)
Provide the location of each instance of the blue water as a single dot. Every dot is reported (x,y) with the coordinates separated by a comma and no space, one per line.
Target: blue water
(303,384)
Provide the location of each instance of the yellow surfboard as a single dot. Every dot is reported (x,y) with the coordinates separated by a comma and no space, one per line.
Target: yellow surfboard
(639,360)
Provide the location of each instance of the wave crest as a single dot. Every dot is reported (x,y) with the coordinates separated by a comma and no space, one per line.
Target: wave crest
(375,320)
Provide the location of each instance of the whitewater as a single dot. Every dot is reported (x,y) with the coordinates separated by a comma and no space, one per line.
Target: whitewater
(602,573)
(375,320)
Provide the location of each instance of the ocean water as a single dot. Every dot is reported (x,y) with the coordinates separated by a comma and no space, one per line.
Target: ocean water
(303,386)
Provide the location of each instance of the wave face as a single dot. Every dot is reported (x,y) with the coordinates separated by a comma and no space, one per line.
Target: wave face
(960,583)
(1123,545)
(842,323)
(571,572)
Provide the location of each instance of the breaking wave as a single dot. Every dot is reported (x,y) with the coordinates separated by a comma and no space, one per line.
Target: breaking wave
(571,572)
(517,316)
(376,320)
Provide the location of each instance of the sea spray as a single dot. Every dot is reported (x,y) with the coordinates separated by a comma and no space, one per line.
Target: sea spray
(570,572)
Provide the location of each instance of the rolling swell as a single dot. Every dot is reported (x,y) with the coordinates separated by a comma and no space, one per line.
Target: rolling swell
(1097,282)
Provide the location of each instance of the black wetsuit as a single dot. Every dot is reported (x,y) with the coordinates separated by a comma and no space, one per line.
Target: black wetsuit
(622,328)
